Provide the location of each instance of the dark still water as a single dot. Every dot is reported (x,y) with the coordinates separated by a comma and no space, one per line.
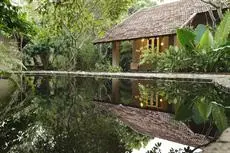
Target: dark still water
(63,114)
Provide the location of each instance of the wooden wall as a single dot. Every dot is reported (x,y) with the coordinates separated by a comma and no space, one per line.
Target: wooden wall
(161,44)
(164,43)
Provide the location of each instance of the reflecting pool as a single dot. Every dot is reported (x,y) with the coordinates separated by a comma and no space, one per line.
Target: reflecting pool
(67,114)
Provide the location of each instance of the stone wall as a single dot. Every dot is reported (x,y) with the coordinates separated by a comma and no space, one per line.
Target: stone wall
(222,145)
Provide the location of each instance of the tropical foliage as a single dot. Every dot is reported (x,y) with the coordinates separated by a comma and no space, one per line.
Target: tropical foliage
(200,50)
(64,39)
(57,38)
(15,31)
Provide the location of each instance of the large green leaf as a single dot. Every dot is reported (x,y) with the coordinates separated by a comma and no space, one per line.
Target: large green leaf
(196,116)
(199,31)
(186,38)
(219,117)
(223,30)
(184,112)
(204,108)
(206,40)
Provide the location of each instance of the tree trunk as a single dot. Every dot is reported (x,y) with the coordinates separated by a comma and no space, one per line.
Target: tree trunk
(45,60)
(36,63)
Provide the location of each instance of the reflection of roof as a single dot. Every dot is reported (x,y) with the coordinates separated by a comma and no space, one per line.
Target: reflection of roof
(156,124)
(159,20)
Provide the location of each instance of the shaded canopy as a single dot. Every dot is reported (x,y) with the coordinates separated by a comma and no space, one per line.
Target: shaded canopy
(155,21)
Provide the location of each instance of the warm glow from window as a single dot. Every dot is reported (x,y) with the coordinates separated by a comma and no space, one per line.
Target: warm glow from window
(142,105)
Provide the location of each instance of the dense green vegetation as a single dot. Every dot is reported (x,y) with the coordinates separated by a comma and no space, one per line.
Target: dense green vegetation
(201,50)
(59,34)
(15,32)
(64,39)
(56,114)
(50,36)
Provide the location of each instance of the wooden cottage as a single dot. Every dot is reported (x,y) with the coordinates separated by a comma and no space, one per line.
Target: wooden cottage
(156,27)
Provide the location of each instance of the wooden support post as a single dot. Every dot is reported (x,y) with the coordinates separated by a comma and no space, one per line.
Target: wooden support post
(158,44)
(115,91)
(153,44)
(116,53)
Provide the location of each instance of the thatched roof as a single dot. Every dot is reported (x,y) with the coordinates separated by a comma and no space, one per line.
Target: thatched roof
(155,124)
(159,20)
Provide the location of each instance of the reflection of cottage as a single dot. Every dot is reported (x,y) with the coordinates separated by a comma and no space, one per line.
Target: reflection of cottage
(130,93)
(156,124)
(156,27)
(156,115)
(145,97)
(152,100)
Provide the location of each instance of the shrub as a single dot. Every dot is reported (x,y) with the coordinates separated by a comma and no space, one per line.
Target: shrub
(175,60)
(149,57)
(107,67)
(115,69)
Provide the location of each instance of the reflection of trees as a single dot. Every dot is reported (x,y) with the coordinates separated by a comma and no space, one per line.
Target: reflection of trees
(157,149)
(16,116)
(56,115)
(125,92)
(197,102)
(115,91)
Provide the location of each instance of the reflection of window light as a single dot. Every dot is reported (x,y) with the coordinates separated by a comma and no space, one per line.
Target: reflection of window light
(141,104)
(162,44)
